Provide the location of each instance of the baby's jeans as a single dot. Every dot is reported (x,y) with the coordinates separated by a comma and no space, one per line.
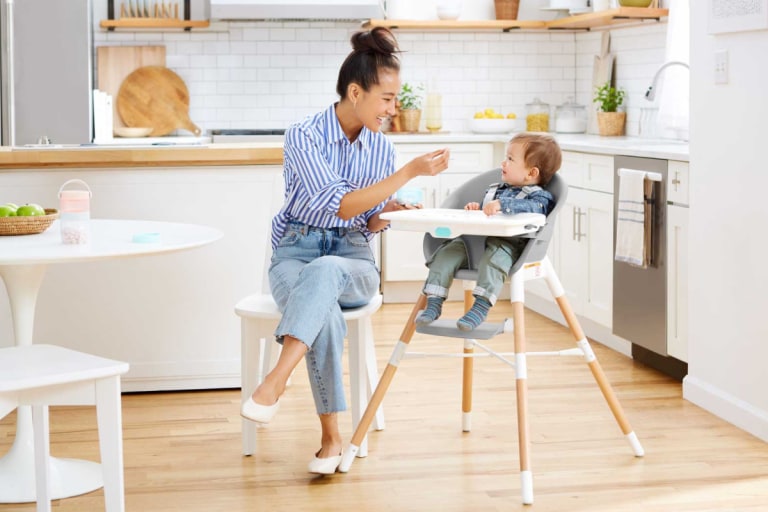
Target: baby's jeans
(492,269)
(314,273)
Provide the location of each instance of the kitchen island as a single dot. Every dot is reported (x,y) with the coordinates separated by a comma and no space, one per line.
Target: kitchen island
(172,317)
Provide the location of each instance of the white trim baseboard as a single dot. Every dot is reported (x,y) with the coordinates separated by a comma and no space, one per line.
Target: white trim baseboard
(726,406)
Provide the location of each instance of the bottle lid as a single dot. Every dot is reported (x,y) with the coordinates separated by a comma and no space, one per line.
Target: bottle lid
(74,200)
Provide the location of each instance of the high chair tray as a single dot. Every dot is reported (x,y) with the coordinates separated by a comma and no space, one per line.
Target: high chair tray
(450,223)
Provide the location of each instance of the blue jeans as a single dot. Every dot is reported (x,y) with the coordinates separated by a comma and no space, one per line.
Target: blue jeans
(492,269)
(314,273)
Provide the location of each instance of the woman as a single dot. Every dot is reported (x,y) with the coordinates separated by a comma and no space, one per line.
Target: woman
(340,176)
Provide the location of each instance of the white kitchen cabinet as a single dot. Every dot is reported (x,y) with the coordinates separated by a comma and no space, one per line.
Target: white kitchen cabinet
(581,250)
(677,260)
(402,255)
(585,253)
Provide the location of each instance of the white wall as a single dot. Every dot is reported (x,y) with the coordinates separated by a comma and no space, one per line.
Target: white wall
(269,74)
(728,347)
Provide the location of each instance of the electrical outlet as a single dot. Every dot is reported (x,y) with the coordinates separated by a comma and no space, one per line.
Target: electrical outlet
(721,67)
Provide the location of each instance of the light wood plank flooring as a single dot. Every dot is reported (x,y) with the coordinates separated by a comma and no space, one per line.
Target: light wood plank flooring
(182,450)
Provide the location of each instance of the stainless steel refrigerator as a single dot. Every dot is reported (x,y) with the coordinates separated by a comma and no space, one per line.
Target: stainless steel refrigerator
(46,71)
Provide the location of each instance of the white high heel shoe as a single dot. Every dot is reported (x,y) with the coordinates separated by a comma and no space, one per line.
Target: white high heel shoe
(263,414)
(325,466)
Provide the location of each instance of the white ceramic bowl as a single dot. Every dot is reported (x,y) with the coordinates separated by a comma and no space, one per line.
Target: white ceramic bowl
(135,131)
(491,125)
(448,12)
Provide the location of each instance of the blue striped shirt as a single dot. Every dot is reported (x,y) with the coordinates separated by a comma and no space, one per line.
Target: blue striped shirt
(321,166)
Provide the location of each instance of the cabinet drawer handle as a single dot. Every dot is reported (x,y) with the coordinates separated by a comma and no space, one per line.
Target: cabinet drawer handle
(581,235)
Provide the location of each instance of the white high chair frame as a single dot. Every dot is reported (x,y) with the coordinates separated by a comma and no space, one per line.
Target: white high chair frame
(523,270)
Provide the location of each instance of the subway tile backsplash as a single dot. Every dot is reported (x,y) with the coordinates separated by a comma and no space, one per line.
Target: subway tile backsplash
(270,74)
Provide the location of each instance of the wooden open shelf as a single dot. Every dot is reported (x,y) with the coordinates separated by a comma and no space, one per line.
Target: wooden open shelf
(157,23)
(587,21)
(505,25)
(607,18)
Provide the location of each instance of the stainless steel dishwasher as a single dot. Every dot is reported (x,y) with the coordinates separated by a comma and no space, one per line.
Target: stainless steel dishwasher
(640,294)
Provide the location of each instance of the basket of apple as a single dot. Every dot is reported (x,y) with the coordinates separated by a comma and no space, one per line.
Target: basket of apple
(27,219)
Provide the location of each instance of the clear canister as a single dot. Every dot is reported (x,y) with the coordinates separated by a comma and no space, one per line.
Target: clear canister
(75,213)
(570,117)
(537,116)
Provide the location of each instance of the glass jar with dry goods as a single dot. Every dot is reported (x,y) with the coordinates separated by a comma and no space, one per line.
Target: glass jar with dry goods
(570,117)
(537,116)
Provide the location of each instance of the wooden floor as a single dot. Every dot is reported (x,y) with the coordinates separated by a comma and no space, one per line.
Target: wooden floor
(182,450)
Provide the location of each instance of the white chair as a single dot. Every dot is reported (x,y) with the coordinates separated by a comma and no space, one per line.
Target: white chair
(44,375)
(259,317)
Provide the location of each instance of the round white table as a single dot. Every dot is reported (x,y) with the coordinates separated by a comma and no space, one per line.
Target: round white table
(23,261)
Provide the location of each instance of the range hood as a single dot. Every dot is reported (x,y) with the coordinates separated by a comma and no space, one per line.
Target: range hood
(296,9)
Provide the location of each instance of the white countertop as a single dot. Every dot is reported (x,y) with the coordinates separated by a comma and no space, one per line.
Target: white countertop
(628,146)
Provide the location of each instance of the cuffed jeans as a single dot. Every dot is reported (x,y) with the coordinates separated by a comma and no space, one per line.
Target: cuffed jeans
(314,273)
(492,270)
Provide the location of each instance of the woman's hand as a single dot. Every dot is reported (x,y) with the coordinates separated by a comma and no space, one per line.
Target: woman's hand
(429,164)
(472,206)
(492,207)
(375,224)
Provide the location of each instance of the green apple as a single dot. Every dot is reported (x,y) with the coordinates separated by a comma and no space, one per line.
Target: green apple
(12,205)
(7,211)
(30,210)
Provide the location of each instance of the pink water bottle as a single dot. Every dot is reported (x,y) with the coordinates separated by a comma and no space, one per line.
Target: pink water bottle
(75,213)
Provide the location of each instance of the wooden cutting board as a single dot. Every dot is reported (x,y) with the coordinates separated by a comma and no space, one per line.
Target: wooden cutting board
(601,72)
(115,63)
(156,97)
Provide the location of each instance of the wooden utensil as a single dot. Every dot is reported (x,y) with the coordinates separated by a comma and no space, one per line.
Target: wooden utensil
(601,72)
(156,97)
(115,63)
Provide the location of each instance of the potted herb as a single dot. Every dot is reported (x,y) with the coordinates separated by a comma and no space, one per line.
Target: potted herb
(610,120)
(410,99)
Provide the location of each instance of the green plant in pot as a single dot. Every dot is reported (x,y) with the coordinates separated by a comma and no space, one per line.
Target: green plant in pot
(411,99)
(610,120)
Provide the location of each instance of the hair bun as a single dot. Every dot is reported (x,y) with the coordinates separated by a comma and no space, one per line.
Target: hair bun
(377,40)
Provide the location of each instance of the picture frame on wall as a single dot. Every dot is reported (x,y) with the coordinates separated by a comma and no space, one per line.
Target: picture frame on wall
(737,15)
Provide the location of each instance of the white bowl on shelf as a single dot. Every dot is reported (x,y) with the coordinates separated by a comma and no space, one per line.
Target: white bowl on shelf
(132,131)
(492,125)
(448,9)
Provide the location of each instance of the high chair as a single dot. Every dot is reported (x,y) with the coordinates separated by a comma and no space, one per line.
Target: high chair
(533,263)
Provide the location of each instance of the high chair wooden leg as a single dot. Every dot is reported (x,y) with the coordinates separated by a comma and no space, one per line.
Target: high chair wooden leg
(467,372)
(383,385)
(599,375)
(521,385)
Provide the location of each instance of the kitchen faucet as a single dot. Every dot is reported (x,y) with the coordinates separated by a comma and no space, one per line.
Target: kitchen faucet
(650,94)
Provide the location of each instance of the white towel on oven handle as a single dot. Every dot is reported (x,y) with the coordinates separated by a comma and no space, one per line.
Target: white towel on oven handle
(631,218)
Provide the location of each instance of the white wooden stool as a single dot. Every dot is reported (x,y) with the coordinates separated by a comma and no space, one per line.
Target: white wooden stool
(259,318)
(44,375)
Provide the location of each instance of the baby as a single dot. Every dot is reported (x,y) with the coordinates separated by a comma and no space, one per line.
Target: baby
(531,161)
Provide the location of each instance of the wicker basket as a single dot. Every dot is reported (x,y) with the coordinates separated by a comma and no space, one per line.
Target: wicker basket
(506,9)
(611,123)
(409,120)
(31,225)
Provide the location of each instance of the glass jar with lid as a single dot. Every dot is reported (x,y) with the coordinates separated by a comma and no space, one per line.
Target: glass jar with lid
(537,116)
(570,117)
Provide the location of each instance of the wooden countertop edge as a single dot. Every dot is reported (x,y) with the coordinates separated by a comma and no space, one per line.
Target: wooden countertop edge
(149,157)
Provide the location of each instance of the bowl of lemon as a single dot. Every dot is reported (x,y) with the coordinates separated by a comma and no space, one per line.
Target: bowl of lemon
(490,121)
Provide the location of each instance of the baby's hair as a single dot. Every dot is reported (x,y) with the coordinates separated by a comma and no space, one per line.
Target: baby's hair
(372,50)
(542,151)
